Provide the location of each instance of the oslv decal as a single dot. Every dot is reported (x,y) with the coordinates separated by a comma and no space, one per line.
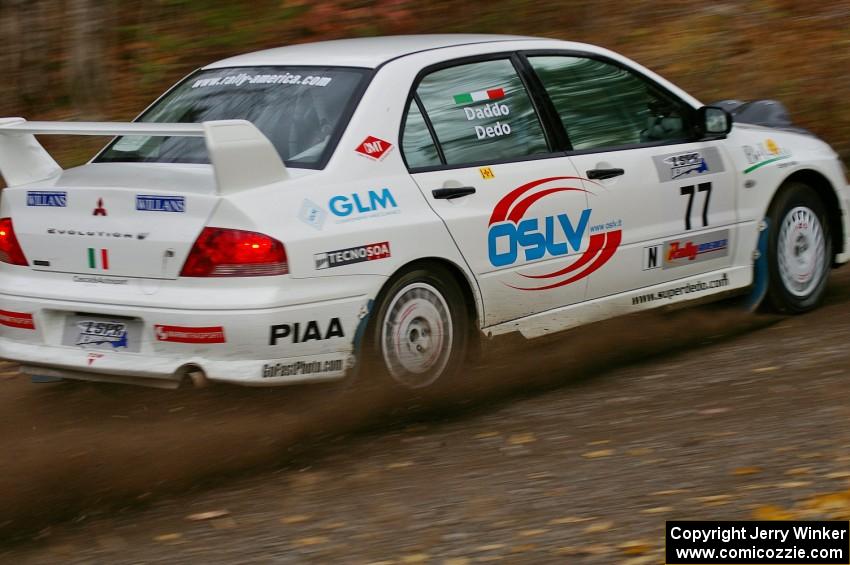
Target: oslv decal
(514,234)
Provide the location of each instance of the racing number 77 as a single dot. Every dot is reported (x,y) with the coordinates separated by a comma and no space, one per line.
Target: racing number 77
(689,192)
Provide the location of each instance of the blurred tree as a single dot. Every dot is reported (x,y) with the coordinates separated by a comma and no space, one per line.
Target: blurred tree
(88,62)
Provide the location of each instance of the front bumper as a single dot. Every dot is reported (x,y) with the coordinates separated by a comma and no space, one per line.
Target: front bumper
(246,351)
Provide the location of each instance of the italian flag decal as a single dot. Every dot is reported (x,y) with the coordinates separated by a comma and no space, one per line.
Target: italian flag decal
(94,255)
(479,96)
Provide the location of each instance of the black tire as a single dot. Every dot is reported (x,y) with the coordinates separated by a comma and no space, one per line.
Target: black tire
(799,250)
(419,330)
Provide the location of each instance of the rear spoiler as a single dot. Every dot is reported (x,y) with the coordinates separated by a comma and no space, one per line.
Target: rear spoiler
(241,156)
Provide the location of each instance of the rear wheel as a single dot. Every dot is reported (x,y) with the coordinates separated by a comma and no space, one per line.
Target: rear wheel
(800,250)
(420,329)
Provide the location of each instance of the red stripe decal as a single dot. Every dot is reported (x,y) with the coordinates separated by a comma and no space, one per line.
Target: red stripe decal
(594,246)
(612,242)
(104,258)
(19,320)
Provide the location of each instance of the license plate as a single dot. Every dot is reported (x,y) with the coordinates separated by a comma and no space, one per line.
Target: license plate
(96,332)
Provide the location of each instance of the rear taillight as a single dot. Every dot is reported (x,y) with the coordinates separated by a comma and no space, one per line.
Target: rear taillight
(10,250)
(220,252)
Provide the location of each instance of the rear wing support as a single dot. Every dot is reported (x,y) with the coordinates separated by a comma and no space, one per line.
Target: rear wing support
(241,156)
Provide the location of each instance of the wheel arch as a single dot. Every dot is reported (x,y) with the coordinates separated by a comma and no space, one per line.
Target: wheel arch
(826,192)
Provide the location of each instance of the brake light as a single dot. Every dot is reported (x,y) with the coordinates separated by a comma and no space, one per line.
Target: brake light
(10,249)
(220,252)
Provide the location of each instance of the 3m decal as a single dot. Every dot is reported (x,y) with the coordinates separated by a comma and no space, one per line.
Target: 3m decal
(513,237)
(302,368)
(479,96)
(99,210)
(311,331)
(180,334)
(20,320)
(351,255)
(94,332)
(312,214)
(50,198)
(696,249)
(764,153)
(690,191)
(675,166)
(98,258)
(357,206)
(374,148)
(92,357)
(487,173)
(148,203)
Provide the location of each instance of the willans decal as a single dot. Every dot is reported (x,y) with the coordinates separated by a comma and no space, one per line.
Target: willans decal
(512,236)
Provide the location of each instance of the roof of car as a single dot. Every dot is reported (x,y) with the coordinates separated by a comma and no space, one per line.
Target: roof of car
(367,52)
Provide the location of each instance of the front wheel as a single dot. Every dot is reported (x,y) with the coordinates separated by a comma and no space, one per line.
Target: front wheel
(800,250)
(420,329)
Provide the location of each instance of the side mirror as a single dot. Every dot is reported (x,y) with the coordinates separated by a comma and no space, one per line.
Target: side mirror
(713,121)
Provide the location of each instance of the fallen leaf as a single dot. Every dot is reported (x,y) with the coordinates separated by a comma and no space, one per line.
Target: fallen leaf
(715,500)
(599,442)
(168,537)
(713,411)
(771,512)
(766,369)
(635,547)
(657,510)
(400,465)
(670,492)
(838,475)
(313,540)
(521,439)
(597,454)
(598,527)
(490,547)
(796,471)
(295,519)
(210,515)
(532,533)
(568,520)
(794,484)
(486,435)
(752,470)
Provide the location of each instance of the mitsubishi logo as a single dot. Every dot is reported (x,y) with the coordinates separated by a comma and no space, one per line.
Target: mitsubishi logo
(100,210)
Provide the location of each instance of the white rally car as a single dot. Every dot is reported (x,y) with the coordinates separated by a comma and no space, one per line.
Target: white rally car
(281,216)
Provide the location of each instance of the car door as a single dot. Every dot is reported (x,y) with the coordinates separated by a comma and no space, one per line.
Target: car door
(671,195)
(477,149)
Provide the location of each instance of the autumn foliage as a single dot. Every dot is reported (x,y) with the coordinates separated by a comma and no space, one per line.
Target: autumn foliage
(107,59)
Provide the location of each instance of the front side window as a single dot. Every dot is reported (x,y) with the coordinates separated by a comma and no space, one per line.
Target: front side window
(300,109)
(604,106)
(417,143)
(481,112)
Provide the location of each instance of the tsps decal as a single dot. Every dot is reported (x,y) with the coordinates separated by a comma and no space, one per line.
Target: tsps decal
(516,235)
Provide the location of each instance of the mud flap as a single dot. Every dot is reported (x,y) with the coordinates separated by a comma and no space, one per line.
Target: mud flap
(761,272)
(360,333)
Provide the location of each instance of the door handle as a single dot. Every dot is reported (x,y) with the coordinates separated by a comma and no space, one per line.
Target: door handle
(602,174)
(450,193)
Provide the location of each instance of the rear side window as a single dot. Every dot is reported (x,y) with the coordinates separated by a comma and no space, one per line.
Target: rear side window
(480,112)
(603,106)
(417,143)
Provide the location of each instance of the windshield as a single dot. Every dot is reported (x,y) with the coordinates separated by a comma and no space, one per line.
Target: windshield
(302,110)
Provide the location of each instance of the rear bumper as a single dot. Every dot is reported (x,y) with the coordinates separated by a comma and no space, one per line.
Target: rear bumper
(252,347)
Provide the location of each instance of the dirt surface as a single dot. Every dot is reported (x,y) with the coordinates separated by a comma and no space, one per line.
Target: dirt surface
(574,449)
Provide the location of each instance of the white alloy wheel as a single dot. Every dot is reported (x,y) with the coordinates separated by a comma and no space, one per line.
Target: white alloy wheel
(417,335)
(801,251)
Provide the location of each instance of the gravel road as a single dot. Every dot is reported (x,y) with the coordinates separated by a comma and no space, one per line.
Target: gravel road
(574,449)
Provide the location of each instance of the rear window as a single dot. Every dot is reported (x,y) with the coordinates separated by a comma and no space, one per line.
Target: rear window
(302,110)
